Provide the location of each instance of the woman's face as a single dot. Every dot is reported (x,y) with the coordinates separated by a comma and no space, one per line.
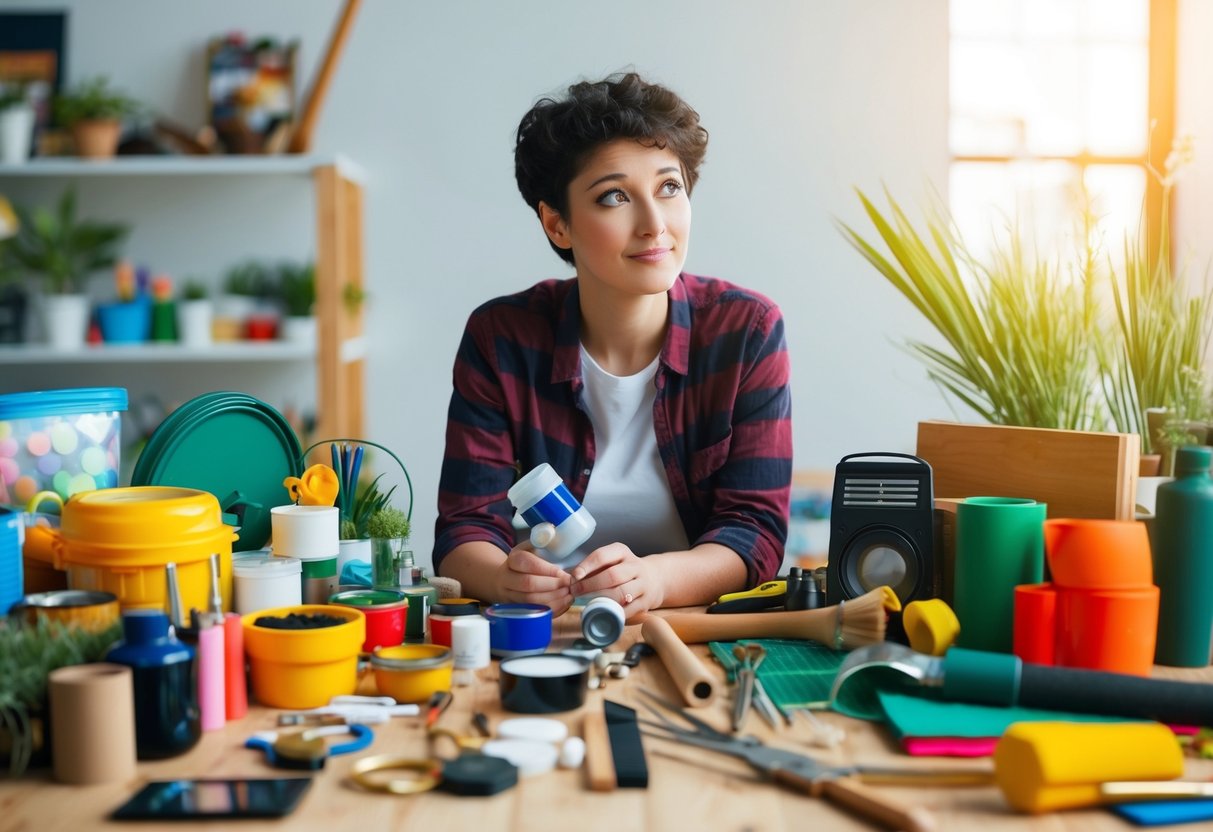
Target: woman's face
(628,220)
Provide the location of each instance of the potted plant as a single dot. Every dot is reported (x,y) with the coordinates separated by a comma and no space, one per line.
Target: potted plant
(245,287)
(355,538)
(297,291)
(28,653)
(16,124)
(389,532)
(93,111)
(195,314)
(64,251)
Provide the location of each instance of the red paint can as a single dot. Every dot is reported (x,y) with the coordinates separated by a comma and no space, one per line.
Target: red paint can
(442,614)
(385,614)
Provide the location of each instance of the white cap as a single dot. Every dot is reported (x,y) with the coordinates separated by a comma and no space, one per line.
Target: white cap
(533,486)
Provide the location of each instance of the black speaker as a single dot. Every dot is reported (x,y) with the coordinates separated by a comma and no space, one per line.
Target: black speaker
(882,528)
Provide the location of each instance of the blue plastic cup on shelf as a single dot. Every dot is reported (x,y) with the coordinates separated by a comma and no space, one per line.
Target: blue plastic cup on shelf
(559,523)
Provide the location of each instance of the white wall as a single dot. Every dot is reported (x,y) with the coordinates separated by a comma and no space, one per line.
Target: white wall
(804,99)
(1194,86)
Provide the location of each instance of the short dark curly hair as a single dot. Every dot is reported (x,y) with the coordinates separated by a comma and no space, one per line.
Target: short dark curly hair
(556,137)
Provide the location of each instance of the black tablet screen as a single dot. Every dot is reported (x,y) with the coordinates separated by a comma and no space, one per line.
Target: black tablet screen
(184,799)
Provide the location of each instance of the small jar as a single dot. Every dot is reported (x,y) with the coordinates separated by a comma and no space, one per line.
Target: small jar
(559,523)
(444,613)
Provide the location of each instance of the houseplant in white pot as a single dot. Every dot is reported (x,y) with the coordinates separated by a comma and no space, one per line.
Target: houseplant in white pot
(195,313)
(13,297)
(297,290)
(63,251)
(16,124)
(94,111)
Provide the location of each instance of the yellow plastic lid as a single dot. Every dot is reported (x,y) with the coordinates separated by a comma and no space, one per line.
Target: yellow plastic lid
(931,626)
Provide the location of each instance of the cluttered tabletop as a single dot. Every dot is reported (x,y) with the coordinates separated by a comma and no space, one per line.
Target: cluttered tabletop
(659,783)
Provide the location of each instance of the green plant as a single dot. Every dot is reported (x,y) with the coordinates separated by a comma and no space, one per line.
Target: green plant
(250,279)
(63,250)
(1158,358)
(13,95)
(1018,331)
(368,501)
(388,523)
(93,100)
(353,296)
(194,290)
(28,653)
(297,288)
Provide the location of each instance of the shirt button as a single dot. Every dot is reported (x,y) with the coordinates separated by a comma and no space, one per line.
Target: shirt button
(585,472)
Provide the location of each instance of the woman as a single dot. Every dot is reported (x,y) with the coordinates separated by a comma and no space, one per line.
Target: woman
(659,397)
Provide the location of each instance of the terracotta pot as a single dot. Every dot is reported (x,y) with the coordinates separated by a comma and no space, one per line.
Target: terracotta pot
(97,139)
(1149,465)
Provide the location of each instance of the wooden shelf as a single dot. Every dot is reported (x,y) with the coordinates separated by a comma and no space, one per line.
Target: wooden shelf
(184,166)
(340,352)
(226,353)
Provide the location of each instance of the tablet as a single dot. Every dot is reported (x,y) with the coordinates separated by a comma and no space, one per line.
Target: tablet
(194,799)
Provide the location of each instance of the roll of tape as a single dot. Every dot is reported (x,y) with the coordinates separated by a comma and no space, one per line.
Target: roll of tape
(545,684)
(519,629)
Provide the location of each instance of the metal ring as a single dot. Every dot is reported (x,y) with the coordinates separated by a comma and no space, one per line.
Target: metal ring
(627,598)
(838,639)
(429,772)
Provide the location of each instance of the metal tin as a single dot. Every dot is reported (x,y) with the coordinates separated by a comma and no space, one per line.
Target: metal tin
(384,610)
(519,629)
(443,614)
(545,684)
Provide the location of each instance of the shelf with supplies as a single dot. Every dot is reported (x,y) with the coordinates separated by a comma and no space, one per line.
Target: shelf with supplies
(340,350)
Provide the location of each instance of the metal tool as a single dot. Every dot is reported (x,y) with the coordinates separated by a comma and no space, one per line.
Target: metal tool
(749,656)
(839,784)
(963,675)
(439,702)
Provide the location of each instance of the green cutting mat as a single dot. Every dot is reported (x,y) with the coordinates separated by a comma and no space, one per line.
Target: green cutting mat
(795,673)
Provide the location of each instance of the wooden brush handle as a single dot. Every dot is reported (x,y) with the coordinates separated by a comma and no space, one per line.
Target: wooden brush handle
(599,765)
(697,628)
(691,678)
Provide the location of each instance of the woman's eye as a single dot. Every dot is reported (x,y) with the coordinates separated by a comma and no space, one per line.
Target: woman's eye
(613,197)
(671,188)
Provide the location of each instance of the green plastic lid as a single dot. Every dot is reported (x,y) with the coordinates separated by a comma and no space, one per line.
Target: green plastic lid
(234,446)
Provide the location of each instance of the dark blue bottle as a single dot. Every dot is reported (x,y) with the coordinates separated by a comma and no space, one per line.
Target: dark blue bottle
(167,720)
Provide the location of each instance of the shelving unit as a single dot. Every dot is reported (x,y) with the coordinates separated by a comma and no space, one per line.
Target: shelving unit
(340,352)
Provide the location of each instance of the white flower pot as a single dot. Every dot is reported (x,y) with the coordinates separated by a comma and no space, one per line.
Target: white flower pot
(16,134)
(194,322)
(66,319)
(299,330)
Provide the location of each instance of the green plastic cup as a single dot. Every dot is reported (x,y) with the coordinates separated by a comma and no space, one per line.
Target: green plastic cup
(1000,544)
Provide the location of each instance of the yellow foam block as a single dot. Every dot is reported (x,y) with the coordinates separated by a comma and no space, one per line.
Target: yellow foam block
(1044,766)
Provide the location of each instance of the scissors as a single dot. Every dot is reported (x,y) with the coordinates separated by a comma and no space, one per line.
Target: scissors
(838,784)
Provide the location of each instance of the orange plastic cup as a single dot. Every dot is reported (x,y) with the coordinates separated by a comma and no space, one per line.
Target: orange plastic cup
(1035,616)
(1107,629)
(1098,554)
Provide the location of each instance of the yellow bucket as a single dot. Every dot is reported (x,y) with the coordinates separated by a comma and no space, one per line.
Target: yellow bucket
(304,668)
(120,539)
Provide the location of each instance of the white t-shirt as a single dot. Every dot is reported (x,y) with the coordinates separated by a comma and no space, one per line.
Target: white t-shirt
(628,493)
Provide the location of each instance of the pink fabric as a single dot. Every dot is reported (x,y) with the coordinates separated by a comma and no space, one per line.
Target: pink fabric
(949,746)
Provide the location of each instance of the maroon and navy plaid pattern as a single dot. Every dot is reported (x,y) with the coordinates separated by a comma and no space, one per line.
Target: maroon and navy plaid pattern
(722,416)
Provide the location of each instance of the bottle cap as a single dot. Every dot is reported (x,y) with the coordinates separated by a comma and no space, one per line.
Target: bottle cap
(142,626)
(1193,459)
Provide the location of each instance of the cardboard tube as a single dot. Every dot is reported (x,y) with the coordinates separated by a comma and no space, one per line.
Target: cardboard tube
(92,723)
(693,681)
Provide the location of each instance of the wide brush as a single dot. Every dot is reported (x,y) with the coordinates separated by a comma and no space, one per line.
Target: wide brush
(844,626)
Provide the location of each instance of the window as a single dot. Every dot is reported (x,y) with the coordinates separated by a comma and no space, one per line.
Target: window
(1051,110)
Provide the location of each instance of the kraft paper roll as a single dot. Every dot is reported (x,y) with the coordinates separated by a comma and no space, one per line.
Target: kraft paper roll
(693,681)
(999,545)
(92,723)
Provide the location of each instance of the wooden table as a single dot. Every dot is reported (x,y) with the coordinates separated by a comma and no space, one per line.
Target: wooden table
(688,788)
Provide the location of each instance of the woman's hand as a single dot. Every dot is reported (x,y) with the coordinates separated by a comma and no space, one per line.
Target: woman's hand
(615,571)
(526,578)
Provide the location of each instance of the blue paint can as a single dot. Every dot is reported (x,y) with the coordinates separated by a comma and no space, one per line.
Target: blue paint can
(519,629)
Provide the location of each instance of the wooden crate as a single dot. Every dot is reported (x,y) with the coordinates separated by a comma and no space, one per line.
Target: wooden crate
(1077,473)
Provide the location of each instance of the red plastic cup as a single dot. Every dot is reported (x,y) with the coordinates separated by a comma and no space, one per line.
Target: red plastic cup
(1035,610)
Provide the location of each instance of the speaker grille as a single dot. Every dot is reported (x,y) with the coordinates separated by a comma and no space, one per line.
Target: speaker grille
(887,493)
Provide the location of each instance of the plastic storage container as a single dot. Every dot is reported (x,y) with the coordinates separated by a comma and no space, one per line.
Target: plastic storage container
(120,539)
(1183,560)
(65,441)
(262,581)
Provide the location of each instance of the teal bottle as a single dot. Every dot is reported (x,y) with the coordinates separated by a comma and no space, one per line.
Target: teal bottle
(1182,545)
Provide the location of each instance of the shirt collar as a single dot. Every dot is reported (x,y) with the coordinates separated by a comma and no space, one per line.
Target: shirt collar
(675,352)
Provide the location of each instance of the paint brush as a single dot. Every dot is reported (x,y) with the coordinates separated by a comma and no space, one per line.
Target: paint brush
(844,626)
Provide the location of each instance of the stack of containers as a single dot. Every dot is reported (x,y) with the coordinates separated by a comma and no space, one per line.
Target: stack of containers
(309,533)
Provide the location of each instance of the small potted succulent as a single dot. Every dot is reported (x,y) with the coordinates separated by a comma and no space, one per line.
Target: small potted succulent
(93,111)
(355,542)
(16,124)
(297,291)
(389,532)
(194,315)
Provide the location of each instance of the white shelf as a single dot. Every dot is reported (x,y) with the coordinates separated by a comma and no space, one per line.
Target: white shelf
(226,352)
(298,165)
